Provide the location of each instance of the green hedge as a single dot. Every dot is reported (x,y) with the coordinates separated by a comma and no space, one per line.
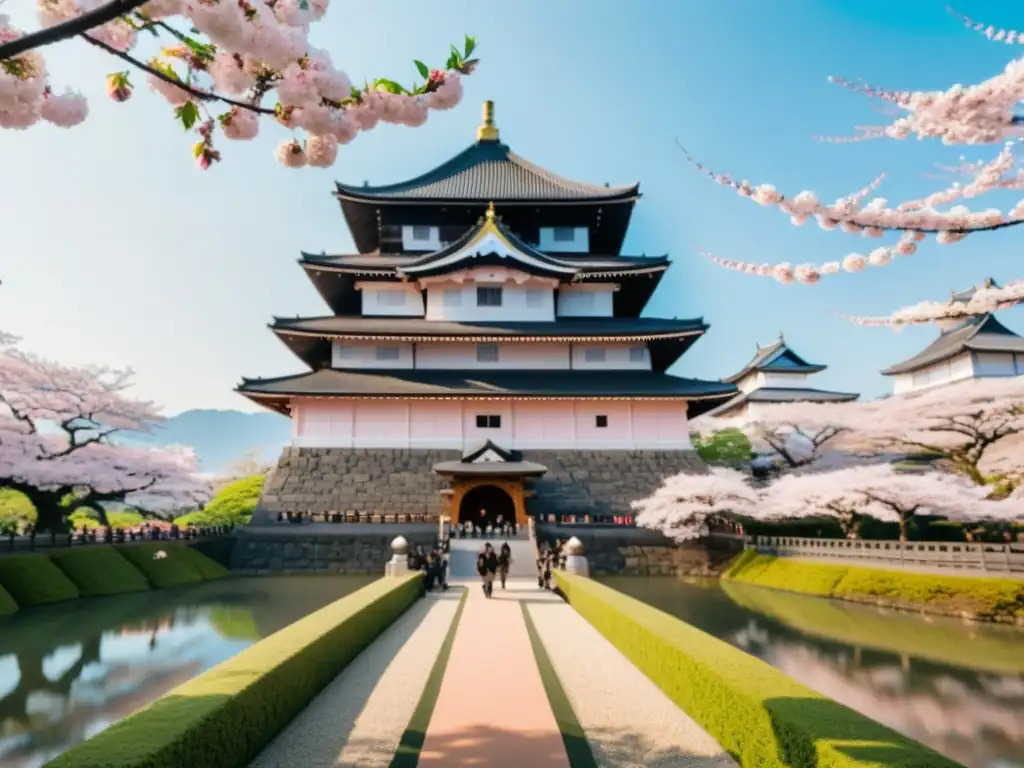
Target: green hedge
(177,568)
(981,597)
(32,579)
(7,604)
(99,571)
(759,715)
(226,716)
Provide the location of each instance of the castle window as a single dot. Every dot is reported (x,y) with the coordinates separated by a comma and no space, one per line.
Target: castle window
(594,355)
(601,421)
(488,422)
(563,234)
(388,353)
(420,233)
(636,354)
(487,296)
(487,353)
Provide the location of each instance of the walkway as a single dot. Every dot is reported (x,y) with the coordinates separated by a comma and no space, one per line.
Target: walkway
(492,710)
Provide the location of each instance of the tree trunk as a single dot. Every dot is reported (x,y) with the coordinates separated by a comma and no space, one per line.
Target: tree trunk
(51,515)
(903,528)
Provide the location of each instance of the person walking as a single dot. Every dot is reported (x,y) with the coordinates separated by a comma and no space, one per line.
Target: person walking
(487,567)
(542,557)
(504,561)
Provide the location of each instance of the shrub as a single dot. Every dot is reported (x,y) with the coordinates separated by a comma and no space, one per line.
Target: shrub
(226,716)
(7,604)
(233,504)
(177,568)
(99,570)
(15,509)
(759,715)
(983,597)
(32,579)
(122,519)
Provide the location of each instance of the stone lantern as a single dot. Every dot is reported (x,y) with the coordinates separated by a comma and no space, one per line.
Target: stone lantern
(575,562)
(398,565)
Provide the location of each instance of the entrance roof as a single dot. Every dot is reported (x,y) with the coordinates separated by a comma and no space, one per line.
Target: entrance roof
(490,460)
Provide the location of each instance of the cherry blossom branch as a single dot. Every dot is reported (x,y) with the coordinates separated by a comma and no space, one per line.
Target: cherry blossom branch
(70,28)
(1008,36)
(199,94)
(984,301)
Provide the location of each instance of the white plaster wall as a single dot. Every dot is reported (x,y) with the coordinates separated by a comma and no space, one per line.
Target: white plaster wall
(363,354)
(518,302)
(617,357)
(946,372)
(573,300)
(550,425)
(782,380)
(579,244)
(376,303)
(431,244)
(986,364)
(512,356)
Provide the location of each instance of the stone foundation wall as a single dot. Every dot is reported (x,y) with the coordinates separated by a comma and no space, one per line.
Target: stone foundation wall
(317,551)
(397,481)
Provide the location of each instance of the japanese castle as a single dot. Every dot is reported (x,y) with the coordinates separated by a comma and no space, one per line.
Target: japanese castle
(484,349)
(776,374)
(974,348)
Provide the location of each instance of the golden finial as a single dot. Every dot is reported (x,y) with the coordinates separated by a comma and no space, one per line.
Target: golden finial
(487,130)
(490,212)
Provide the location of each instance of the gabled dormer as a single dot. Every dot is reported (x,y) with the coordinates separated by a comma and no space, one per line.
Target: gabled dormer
(774,365)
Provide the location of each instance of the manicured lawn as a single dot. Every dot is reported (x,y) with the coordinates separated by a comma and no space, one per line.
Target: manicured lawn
(32,579)
(99,570)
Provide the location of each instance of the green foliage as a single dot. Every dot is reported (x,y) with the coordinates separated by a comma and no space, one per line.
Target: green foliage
(226,716)
(233,504)
(7,604)
(762,717)
(177,568)
(121,519)
(16,510)
(188,114)
(729,447)
(988,598)
(99,570)
(32,579)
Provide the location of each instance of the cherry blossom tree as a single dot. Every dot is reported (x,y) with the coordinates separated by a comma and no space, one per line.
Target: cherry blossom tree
(883,492)
(57,442)
(981,114)
(218,64)
(962,423)
(682,505)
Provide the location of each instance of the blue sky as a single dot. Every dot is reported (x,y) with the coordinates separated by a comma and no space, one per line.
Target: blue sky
(116,250)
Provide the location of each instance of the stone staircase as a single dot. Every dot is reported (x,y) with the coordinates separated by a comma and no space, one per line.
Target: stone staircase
(462,557)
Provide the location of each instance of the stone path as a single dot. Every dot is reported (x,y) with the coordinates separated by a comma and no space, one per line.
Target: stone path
(625,717)
(492,710)
(359,719)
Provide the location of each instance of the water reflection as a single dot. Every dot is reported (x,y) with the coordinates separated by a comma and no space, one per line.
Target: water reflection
(957,687)
(69,671)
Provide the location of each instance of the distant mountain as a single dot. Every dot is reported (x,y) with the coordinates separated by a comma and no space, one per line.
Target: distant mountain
(222,437)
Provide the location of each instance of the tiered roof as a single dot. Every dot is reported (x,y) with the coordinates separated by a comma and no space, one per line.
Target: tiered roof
(487,171)
(779,358)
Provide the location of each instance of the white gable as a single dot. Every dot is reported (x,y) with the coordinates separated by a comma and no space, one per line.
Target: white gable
(488,457)
(490,243)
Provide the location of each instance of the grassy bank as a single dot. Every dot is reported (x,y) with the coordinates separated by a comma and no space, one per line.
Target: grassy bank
(760,716)
(33,579)
(986,599)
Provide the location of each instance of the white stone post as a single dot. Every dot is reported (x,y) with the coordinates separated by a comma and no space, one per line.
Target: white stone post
(575,562)
(398,565)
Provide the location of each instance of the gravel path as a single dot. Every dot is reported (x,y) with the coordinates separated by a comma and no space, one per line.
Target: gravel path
(627,720)
(359,718)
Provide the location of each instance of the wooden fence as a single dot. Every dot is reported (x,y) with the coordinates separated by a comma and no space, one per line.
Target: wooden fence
(993,559)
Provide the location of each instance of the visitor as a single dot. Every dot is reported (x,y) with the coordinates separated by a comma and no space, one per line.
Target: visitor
(504,561)
(546,561)
(487,567)
(458,530)
(469,529)
(499,523)
(442,571)
(482,525)
(542,555)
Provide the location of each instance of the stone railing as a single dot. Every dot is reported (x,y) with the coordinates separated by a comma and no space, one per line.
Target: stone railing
(355,517)
(997,559)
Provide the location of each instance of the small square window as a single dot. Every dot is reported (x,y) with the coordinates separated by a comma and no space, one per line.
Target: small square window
(453,297)
(488,296)
(594,355)
(564,234)
(601,421)
(388,353)
(534,299)
(488,422)
(487,353)
(638,354)
(421,233)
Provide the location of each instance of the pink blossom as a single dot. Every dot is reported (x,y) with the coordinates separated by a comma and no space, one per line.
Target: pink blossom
(879,257)
(175,95)
(230,74)
(240,124)
(65,111)
(680,507)
(783,273)
(982,302)
(290,154)
(321,151)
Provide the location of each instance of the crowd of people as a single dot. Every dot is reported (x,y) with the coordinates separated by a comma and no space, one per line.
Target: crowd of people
(485,529)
